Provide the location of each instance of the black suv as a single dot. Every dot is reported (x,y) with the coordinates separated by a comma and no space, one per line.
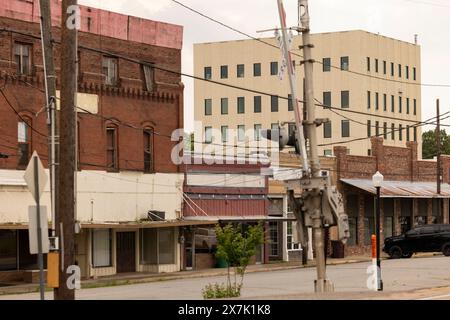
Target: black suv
(426,238)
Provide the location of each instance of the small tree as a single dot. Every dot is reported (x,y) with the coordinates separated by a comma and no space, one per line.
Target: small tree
(236,248)
(429,147)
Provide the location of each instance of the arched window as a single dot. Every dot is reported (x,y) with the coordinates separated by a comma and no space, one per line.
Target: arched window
(24,141)
(148,150)
(112,163)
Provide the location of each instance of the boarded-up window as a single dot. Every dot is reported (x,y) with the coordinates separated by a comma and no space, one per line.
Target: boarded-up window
(149,242)
(109,70)
(166,245)
(22,56)
(149,76)
(111,148)
(24,141)
(148,150)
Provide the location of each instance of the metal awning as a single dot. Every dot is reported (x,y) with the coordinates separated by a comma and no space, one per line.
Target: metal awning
(121,225)
(215,219)
(402,189)
(144,225)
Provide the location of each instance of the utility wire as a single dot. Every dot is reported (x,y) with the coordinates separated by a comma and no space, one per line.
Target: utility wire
(298,55)
(18,114)
(152,65)
(218,83)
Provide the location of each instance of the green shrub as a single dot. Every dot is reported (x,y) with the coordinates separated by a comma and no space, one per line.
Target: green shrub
(218,291)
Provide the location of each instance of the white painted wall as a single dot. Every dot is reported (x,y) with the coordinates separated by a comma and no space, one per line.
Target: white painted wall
(101,197)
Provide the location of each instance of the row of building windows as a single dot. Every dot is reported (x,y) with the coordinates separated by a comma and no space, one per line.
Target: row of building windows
(241,134)
(24,139)
(110,66)
(240,105)
(391,131)
(384,66)
(384,99)
(378,130)
(273,68)
(326,64)
(240,70)
(373,99)
(328,129)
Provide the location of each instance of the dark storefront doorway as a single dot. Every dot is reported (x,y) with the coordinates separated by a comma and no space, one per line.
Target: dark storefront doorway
(126,252)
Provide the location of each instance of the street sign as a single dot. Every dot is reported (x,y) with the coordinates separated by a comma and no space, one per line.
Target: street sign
(30,177)
(33,229)
(36,179)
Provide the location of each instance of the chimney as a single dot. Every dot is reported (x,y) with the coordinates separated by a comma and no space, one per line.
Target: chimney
(415,39)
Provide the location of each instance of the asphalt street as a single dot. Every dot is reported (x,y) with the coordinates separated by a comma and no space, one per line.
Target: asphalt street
(350,280)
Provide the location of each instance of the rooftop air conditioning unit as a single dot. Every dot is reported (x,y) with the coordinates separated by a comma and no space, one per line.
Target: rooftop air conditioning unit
(155,215)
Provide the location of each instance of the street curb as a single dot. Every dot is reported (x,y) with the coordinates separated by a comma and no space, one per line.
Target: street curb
(99,283)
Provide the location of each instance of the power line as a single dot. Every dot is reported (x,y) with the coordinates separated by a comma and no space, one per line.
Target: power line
(418,124)
(18,114)
(226,26)
(316,61)
(218,83)
(333,110)
(141,62)
(428,3)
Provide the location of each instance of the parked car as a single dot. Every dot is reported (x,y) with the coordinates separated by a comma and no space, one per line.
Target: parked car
(426,238)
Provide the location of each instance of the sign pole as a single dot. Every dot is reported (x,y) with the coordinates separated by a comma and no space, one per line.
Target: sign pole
(39,230)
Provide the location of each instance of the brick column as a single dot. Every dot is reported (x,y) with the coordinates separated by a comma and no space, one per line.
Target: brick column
(361,216)
(445,214)
(378,153)
(397,213)
(341,161)
(414,156)
(429,210)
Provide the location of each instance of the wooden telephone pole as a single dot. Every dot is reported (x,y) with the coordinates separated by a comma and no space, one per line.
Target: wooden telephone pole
(66,205)
(321,205)
(50,88)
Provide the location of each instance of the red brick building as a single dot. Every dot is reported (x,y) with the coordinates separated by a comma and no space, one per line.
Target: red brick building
(408,194)
(155,103)
(125,167)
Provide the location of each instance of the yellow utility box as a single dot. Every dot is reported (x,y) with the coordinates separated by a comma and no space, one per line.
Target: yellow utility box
(53,270)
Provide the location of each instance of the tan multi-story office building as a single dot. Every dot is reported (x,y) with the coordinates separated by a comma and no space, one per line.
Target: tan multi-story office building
(373,80)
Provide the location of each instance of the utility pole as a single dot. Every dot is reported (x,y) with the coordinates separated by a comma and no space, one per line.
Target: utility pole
(66,221)
(321,284)
(50,89)
(438,160)
(321,205)
(438,147)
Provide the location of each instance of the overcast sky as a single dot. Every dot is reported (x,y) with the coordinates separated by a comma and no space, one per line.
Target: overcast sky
(400,19)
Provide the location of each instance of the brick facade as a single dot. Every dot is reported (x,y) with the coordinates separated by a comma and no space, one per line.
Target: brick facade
(396,164)
(128,101)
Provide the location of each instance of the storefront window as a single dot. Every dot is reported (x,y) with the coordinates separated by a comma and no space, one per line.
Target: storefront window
(101,248)
(291,244)
(388,227)
(8,250)
(273,231)
(158,246)
(166,239)
(353,228)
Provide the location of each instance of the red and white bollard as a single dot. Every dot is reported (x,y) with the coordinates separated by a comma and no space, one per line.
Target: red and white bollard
(374,261)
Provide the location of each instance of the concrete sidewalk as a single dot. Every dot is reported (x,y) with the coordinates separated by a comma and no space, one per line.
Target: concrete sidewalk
(133,278)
